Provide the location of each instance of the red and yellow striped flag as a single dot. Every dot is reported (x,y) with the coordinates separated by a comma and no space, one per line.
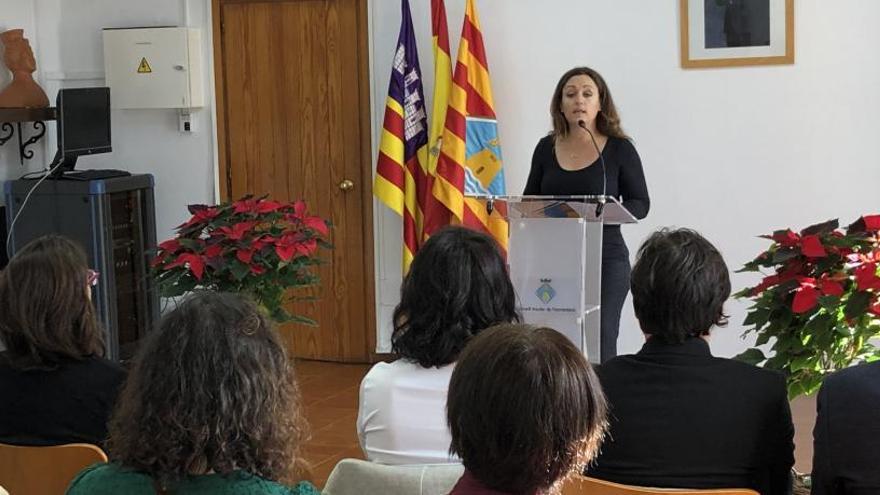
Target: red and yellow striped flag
(402,179)
(470,153)
(436,214)
(442,78)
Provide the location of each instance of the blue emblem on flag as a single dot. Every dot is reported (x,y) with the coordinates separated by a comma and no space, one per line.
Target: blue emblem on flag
(483,173)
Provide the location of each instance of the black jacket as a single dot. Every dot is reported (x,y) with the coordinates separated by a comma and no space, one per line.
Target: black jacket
(68,404)
(683,418)
(846,449)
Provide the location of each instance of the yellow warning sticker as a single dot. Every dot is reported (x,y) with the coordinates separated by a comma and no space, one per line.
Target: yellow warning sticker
(144,67)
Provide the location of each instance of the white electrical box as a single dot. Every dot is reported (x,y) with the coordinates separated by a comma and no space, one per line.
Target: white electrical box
(154,67)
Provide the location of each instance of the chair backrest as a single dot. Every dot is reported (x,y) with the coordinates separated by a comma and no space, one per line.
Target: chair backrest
(584,485)
(357,477)
(44,470)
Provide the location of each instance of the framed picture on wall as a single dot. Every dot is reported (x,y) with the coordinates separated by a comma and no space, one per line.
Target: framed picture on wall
(728,33)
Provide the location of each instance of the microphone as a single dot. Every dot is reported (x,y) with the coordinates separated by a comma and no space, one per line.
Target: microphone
(600,204)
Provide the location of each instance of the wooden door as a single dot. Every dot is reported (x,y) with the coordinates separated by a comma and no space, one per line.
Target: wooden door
(293,122)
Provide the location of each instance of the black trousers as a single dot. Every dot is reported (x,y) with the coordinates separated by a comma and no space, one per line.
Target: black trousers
(615,286)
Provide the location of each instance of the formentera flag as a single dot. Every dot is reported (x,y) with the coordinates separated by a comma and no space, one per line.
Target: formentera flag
(470,154)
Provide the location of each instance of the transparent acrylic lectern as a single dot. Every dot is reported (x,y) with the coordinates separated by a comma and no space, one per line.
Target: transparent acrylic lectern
(555,259)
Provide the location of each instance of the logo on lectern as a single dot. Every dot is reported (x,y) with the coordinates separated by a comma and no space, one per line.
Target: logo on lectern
(545,292)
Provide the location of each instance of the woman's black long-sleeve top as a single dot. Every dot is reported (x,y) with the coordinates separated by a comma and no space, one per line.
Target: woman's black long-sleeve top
(625,180)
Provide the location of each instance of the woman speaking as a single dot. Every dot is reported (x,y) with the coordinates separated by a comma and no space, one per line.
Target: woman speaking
(587,153)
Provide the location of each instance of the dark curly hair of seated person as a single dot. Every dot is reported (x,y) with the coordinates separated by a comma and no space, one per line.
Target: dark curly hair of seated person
(212,390)
(46,312)
(457,286)
(525,409)
(679,285)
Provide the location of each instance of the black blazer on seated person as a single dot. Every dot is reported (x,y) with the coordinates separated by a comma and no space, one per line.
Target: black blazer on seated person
(68,404)
(846,449)
(680,417)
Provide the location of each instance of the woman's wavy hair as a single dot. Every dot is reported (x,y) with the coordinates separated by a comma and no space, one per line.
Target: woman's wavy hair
(46,314)
(212,390)
(607,121)
(457,286)
(525,409)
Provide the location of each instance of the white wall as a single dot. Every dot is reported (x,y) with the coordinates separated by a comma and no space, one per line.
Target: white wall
(66,35)
(731,152)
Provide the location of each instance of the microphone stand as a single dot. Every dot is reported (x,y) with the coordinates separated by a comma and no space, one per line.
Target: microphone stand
(600,204)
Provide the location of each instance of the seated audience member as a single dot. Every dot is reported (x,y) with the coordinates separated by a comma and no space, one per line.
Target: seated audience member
(211,407)
(680,417)
(525,411)
(55,387)
(845,460)
(457,286)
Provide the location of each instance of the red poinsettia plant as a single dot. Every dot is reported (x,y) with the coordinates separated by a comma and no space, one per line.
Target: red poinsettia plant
(820,303)
(255,246)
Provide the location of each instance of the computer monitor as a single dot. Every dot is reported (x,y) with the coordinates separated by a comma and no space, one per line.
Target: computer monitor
(83,116)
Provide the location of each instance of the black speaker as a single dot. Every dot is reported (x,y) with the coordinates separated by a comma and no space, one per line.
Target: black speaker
(114,221)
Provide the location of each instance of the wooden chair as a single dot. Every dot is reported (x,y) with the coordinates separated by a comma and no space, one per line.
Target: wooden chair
(584,485)
(44,470)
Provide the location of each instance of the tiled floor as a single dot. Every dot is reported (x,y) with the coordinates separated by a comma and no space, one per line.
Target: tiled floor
(330,395)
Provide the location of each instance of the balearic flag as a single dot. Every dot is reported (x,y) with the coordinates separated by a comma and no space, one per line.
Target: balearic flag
(470,153)
(401,168)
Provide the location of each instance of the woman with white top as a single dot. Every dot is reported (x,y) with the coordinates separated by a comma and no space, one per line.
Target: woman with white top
(457,286)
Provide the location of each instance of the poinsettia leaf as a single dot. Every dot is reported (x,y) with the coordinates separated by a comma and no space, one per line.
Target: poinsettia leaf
(795,388)
(859,225)
(872,222)
(757,317)
(829,302)
(747,292)
(181,284)
(302,320)
(843,329)
(821,228)
(802,362)
(811,383)
(783,255)
(195,208)
(751,356)
(777,362)
(238,269)
(812,246)
(191,244)
(857,304)
(168,286)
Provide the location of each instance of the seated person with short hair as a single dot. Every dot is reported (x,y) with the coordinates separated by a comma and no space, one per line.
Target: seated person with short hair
(680,417)
(457,286)
(525,410)
(211,407)
(55,386)
(845,460)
